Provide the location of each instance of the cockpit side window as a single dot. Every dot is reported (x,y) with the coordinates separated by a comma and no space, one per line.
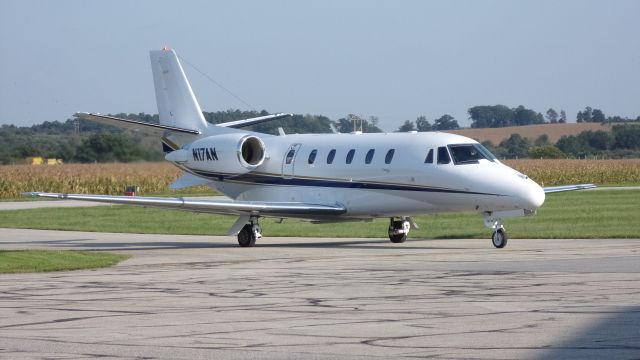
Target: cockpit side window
(469,153)
(429,158)
(443,155)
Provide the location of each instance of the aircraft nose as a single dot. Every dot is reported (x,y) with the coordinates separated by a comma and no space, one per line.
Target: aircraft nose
(533,197)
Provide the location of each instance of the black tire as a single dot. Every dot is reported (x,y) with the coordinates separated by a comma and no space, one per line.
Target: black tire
(396,239)
(499,238)
(246,237)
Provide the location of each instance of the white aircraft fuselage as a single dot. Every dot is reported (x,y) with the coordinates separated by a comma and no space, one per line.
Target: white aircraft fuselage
(389,174)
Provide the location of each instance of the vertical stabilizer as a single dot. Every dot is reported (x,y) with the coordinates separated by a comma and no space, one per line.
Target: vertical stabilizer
(177,105)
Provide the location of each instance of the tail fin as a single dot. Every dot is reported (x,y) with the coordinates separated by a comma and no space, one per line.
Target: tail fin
(177,105)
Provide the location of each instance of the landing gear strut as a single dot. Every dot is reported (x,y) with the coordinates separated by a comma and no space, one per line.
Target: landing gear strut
(398,230)
(499,237)
(250,233)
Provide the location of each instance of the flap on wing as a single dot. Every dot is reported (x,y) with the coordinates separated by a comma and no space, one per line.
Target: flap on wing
(226,207)
(552,189)
(252,121)
(154,129)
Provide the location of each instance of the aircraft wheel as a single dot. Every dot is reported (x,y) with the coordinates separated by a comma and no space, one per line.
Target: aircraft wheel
(398,238)
(246,236)
(499,238)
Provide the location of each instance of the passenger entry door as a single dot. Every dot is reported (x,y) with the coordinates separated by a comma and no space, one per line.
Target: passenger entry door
(289,160)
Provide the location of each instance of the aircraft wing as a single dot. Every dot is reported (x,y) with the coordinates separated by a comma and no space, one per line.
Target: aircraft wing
(154,129)
(224,207)
(552,189)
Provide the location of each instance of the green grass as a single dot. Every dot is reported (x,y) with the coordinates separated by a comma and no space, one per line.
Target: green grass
(578,214)
(22,261)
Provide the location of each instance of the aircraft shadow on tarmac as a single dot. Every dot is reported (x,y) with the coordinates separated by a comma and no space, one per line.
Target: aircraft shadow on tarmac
(615,336)
(88,244)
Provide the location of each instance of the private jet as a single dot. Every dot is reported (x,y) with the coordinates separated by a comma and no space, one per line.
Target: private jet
(321,178)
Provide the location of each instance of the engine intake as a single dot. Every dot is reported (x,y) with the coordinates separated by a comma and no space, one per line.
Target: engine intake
(251,151)
(224,155)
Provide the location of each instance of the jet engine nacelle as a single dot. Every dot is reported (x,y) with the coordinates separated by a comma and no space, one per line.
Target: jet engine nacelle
(228,154)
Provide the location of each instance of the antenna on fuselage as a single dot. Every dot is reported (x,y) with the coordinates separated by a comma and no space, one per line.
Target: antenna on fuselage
(357,123)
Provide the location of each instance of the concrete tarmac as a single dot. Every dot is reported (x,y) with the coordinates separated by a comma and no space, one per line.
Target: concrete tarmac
(195,297)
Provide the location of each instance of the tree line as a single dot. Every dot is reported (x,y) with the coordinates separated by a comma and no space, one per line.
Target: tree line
(102,143)
(493,116)
(622,142)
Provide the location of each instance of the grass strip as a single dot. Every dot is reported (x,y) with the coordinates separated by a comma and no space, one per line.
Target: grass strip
(26,261)
(577,214)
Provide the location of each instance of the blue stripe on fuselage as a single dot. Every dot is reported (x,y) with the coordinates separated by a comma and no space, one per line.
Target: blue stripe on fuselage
(264,179)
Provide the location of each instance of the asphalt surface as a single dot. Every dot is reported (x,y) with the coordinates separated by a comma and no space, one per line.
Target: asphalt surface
(195,297)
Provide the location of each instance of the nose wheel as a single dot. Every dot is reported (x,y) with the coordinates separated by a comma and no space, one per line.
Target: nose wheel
(499,237)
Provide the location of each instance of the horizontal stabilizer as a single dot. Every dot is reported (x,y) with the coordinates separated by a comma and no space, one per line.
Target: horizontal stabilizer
(252,121)
(225,207)
(138,126)
(552,189)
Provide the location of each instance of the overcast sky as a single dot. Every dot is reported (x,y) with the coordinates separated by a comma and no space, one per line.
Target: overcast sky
(392,59)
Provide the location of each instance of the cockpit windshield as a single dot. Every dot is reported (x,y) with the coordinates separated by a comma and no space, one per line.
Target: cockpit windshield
(469,153)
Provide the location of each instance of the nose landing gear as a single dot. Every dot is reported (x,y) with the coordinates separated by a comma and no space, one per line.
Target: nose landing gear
(499,237)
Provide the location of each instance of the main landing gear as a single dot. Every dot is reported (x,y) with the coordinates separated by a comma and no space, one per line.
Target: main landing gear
(398,230)
(499,237)
(250,233)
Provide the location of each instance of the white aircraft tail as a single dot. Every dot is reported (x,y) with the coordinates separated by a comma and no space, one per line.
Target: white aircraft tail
(177,105)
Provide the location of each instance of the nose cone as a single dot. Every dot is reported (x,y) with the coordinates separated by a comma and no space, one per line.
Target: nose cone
(533,196)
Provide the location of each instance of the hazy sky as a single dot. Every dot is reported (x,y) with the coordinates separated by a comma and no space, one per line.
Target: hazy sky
(393,59)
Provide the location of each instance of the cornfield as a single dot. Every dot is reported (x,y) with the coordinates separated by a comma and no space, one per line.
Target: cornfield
(154,178)
(565,172)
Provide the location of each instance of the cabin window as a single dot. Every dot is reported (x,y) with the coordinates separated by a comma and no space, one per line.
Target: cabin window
(429,158)
(369,157)
(312,156)
(469,153)
(443,155)
(389,156)
(290,155)
(350,155)
(330,156)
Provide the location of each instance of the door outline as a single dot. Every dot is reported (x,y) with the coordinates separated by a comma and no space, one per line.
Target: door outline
(288,170)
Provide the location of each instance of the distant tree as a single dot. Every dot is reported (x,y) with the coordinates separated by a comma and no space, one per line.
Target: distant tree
(552,116)
(524,116)
(542,140)
(422,124)
(487,116)
(516,146)
(563,117)
(105,147)
(599,140)
(598,116)
(626,136)
(585,116)
(574,145)
(446,122)
(546,152)
(407,126)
